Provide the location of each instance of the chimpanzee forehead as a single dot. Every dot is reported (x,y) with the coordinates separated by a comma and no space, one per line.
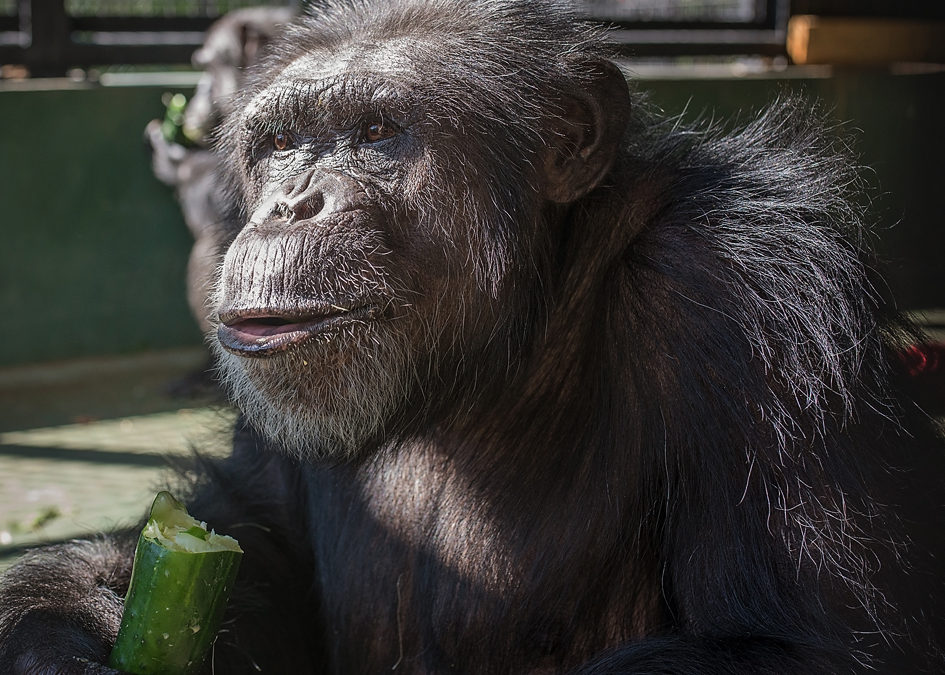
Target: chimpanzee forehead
(359,75)
(336,86)
(389,59)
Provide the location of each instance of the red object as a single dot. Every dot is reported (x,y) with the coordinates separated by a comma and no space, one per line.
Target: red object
(925,364)
(923,359)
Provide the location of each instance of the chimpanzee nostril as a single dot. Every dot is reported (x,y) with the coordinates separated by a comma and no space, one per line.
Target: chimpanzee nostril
(301,199)
(310,196)
(309,205)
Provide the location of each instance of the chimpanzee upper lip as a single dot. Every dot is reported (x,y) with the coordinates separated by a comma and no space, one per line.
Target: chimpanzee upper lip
(263,332)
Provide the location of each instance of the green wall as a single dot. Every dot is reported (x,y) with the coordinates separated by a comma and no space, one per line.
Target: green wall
(93,249)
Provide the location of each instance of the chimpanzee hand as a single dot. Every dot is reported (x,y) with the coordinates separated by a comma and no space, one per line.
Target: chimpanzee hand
(60,608)
(41,644)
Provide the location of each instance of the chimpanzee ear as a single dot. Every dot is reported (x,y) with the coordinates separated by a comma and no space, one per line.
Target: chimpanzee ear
(585,139)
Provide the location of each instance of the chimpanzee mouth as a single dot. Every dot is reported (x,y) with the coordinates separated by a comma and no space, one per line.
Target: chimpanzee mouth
(261,333)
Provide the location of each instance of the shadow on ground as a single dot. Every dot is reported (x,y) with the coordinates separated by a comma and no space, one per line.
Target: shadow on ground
(84,445)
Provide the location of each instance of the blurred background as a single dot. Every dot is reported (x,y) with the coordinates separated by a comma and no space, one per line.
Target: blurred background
(102,365)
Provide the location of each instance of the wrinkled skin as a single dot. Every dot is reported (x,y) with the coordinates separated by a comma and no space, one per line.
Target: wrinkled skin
(535,382)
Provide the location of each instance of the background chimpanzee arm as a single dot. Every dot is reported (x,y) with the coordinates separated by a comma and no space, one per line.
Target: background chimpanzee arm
(60,606)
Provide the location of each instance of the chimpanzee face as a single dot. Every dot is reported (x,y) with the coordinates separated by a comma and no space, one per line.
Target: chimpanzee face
(396,217)
(357,264)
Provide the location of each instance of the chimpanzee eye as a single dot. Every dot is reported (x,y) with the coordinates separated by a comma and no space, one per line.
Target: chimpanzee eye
(379,129)
(281,140)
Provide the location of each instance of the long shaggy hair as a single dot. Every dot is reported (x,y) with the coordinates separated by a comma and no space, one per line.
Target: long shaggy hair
(706,309)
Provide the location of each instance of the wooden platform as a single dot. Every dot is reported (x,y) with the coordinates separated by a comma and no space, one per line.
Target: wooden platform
(864,41)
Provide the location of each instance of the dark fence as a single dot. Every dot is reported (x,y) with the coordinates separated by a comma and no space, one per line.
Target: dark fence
(49,40)
(49,37)
(715,28)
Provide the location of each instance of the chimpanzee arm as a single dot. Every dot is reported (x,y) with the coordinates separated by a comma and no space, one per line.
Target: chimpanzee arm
(61,606)
(685,654)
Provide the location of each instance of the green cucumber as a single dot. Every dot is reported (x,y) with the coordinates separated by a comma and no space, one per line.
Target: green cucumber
(180,582)
(172,126)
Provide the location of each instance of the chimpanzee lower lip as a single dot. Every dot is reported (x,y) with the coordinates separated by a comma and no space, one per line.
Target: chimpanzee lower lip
(257,334)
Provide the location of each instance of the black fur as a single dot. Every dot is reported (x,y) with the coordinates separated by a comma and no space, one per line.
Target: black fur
(650,427)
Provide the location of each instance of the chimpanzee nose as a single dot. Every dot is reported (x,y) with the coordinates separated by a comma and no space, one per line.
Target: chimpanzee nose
(302,197)
(317,194)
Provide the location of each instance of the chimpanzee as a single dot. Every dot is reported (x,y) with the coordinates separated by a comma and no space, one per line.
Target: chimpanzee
(534,381)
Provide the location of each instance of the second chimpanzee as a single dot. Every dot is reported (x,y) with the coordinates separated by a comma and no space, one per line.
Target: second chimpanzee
(534,381)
